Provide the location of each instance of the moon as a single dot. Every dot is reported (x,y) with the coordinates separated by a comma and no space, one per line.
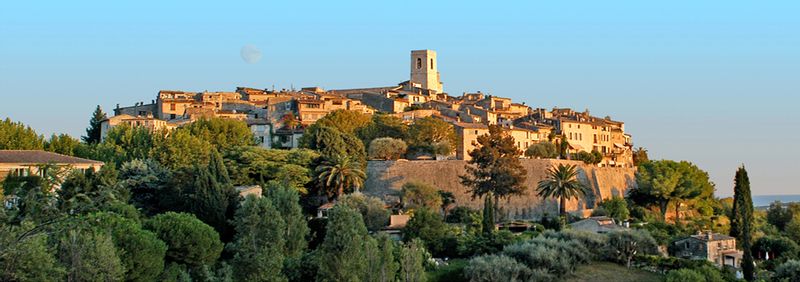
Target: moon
(250,54)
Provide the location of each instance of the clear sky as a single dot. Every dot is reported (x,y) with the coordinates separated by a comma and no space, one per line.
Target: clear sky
(713,82)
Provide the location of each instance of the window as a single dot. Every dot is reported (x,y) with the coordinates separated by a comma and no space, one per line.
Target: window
(172,116)
(419,63)
(431,63)
(476,132)
(172,106)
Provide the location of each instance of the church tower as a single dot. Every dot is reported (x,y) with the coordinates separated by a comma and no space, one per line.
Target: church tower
(424,72)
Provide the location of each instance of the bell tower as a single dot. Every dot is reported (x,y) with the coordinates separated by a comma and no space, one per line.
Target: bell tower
(424,72)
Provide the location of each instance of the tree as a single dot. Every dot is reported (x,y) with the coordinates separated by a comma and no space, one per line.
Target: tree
(543,150)
(433,136)
(211,200)
(616,207)
(339,175)
(90,256)
(372,210)
(788,271)
(383,125)
(346,121)
(419,194)
(742,221)
(189,240)
(93,131)
(428,226)
(778,247)
(250,164)
(259,243)
(412,259)
(17,136)
(663,182)
(640,156)
(448,199)
(624,245)
(145,180)
(330,142)
(561,183)
(381,263)
(181,149)
(28,259)
(387,148)
(286,199)
(494,170)
(62,144)
(793,229)
(341,255)
(142,253)
(487,220)
(222,133)
(779,216)
(125,143)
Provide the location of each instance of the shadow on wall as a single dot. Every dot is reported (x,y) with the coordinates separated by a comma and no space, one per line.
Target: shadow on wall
(385,179)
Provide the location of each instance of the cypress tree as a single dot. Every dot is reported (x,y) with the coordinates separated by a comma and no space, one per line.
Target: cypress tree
(488,215)
(93,131)
(741,224)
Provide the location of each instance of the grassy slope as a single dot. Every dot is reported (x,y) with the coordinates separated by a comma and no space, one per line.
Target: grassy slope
(605,271)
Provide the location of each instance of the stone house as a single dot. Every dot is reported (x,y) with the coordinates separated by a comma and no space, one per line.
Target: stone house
(717,248)
(596,224)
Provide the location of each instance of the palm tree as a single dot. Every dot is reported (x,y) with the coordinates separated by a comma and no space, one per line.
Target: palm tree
(339,173)
(561,183)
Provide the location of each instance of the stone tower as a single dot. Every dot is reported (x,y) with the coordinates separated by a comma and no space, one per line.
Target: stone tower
(424,72)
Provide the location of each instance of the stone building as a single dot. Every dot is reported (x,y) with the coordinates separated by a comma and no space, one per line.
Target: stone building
(596,224)
(33,162)
(717,248)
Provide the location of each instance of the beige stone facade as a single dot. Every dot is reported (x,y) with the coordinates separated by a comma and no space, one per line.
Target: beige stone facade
(717,248)
(424,72)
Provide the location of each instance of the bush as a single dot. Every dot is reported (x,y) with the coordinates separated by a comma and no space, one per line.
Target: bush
(479,244)
(490,268)
(788,271)
(591,241)
(544,150)
(616,208)
(553,255)
(780,250)
(684,275)
(387,148)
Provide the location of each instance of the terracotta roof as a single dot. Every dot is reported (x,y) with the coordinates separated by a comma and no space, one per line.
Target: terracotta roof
(40,157)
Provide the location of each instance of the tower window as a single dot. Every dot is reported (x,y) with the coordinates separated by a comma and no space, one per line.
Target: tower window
(419,63)
(431,63)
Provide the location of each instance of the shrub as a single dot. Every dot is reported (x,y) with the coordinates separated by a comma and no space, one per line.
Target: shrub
(788,271)
(591,241)
(479,244)
(490,268)
(387,148)
(616,208)
(553,255)
(684,275)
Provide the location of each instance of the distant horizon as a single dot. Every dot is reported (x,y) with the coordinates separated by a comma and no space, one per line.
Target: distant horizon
(705,82)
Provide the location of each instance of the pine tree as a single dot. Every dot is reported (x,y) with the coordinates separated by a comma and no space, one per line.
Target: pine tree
(93,132)
(287,201)
(741,224)
(495,169)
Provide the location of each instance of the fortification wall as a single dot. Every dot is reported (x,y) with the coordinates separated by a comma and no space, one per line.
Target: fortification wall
(385,179)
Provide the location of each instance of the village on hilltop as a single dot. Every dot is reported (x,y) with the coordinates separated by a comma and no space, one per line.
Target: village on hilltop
(268,113)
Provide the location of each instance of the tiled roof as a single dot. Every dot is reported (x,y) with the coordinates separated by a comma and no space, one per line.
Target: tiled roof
(40,157)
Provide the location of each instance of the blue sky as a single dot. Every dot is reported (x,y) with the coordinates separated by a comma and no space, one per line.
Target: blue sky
(713,82)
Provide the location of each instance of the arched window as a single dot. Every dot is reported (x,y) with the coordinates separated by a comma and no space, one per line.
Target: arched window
(419,63)
(431,63)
